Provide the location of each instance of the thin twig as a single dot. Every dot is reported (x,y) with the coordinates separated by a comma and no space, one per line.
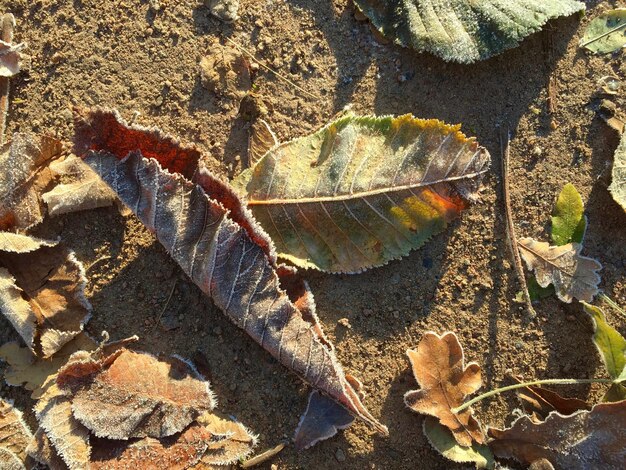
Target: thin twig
(263,457)
(8,28)
(528,384)
(510,228)
(616,307)
(266,67)
(165,306)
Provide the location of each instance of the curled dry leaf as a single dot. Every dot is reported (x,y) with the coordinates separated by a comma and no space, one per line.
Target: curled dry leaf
(130,394)
(214,239)
(262,139)
(443,442)
(612,348)
(539,402)
(80,188)
(42,291)
(34,373)
(10,58)
(583,440)
(14,433)
(232,440)
(573,275)
(364,190)
(618,181)
(463,30)
(24,175)
(439,368)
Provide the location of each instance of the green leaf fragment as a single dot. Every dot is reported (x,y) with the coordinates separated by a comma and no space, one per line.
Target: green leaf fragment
(463,30)
(537,292)
(606,33)
(618,182)
(568,220)
(612,348)
(443,442)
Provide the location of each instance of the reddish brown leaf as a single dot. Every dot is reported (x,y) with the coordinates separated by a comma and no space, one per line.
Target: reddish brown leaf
(539,402)
(218,244)
(583,440)
(439,368)
(42,291)
(24,175)
(131,394)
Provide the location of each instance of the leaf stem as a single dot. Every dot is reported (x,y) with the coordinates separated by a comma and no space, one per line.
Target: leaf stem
(7,24)
(615,307)
(527,384)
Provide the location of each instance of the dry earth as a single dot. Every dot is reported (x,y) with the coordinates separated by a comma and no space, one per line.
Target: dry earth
(140,56)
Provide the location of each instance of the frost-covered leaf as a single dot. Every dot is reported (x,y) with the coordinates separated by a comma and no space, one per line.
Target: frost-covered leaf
(80,188)
(581,441)
(612,348)
(463,30)
(232,442)
(41,449)
(10,58)
(606,33)
(618,182)
(132,394)
(439,368)
(364,190)
(539,402)
(42,291)
(31,372)
(262,139)
(217,243)
(24,175)
(568,217)
(322,419)
(573,275)
(443,442)
(14,433)
(10,460)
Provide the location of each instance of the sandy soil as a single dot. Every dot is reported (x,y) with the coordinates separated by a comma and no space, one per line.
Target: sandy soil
(140,56)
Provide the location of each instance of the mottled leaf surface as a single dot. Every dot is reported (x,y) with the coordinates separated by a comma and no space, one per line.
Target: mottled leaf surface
(364,190)
(79,189)
(14,433)
(42,291)
(223,250)
(573,275)
(135,394)
(618,181)
(606,33)
(444,442)
(463,30)
(581,441)
(24,175)
(612,348)
(439,368)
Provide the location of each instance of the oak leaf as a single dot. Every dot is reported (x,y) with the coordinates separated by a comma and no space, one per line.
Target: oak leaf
(363,190)
(80,188)
(463,30)
(24,175)
(217,243)
(130,394)
(42,291)
(573,275)
(439,367)
(583,440)
(14,433)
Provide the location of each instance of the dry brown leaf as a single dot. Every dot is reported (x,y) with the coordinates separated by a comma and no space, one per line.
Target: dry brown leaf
(131,394)
(584,440)
(539,402)
(10,58)
(571,274)
(32,372)
(209,232)
(42,291)
(262,139)
(80,188)
(439,368)
(14,433)
(233,441)
(10,461)
(41,449)
(24,175)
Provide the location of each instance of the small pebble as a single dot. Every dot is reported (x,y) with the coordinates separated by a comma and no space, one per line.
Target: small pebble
(340,455)
(345,323)
(217,330)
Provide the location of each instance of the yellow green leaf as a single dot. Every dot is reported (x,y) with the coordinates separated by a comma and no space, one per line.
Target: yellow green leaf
(606,33)
(568,220)
(618,181)
(364,190)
